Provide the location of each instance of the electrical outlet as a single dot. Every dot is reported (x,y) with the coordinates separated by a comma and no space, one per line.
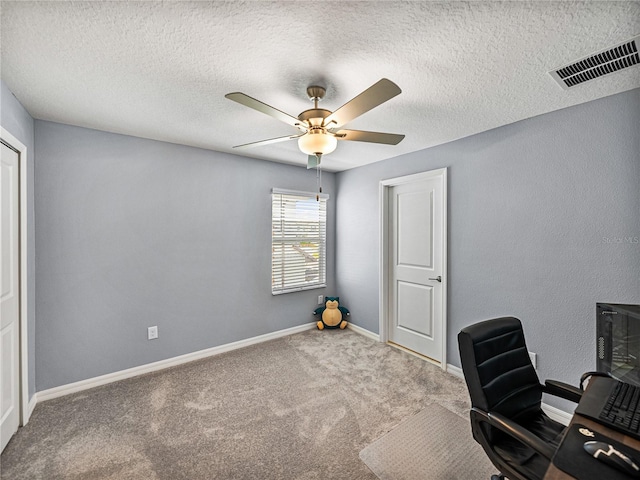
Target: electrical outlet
(152,332)
(534,359)
(320,299)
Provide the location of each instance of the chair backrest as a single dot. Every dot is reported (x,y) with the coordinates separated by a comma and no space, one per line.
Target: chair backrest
(497,368)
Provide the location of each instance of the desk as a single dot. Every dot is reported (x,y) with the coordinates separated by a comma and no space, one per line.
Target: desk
(554,473)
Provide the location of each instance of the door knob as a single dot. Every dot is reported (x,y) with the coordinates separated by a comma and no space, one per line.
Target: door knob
(438,278)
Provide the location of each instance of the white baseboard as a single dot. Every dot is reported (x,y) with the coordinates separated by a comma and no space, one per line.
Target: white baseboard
(26,415)
(70,388)
(31,406)
(455,371)
(364,331)
(553,412)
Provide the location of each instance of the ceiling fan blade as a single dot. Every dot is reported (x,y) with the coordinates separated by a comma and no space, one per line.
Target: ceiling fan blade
(251,102)
(267,142)
(375,95)
(373,137)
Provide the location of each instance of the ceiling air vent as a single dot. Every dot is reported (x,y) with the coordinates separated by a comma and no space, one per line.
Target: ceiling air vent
(599,64)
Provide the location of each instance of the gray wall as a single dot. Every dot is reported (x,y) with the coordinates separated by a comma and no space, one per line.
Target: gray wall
(17,121)
(133,233)
(540,215)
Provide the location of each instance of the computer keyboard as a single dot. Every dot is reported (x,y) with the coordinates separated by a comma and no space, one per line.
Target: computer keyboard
(622,409)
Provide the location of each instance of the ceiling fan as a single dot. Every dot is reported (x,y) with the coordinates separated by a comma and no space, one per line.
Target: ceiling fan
(320,128)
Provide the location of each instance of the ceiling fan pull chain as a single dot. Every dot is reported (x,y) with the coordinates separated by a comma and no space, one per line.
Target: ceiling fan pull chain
(318,179)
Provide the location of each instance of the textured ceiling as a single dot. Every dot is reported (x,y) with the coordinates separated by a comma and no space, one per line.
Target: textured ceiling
(161,70)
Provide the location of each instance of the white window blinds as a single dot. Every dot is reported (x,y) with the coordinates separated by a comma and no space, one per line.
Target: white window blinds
(298,241)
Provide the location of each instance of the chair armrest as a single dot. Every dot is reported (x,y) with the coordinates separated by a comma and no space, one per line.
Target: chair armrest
(562,390)
(588,375)
(515,431)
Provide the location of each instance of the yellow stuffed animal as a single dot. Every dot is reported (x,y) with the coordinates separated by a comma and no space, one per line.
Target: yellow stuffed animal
(331,314)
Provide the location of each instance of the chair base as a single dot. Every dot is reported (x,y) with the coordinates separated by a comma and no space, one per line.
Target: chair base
(498,477)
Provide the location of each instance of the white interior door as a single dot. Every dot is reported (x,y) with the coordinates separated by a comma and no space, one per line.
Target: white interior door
(9,295)
(416,244)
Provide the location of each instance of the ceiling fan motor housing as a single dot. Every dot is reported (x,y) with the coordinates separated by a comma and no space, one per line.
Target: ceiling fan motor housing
(314,116)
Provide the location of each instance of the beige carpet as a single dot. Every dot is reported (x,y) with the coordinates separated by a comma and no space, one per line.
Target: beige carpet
(297,408)
(430,445)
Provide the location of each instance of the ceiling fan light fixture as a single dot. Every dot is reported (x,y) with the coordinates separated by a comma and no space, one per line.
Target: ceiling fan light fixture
(317,141)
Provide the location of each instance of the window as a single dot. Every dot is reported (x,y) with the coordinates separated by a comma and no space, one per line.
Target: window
(298,241)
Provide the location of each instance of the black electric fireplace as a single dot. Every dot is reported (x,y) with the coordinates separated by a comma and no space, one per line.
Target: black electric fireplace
(618,329)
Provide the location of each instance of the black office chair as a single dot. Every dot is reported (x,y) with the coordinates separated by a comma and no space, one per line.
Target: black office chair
(506,417)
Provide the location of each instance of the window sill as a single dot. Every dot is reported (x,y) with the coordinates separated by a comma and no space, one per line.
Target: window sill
(298,289)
